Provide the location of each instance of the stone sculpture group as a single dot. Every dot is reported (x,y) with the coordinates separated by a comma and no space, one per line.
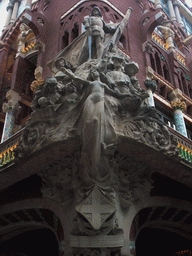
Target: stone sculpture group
(99,102)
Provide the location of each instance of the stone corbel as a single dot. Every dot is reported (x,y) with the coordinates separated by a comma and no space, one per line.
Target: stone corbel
(147,47)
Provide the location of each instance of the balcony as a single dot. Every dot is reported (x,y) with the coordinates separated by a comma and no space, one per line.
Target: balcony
(184,146)
(7,148)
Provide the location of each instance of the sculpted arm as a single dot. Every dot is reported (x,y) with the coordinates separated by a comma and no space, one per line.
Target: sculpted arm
(74,77)
(116,93)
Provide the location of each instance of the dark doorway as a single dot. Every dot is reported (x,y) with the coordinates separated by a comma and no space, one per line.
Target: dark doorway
(36,242)
(158,242)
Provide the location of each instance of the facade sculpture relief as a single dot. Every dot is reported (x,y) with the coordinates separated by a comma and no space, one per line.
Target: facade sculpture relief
(98,102)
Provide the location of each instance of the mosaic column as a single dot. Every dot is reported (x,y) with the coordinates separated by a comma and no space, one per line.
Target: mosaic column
(179,106)
(11,109)
(9,13)
(15,11)
(151,89)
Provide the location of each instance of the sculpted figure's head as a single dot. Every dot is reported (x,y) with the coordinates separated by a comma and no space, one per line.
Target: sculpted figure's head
(96,12)
(117,61)
(94,74)
(131,69)
(60,63)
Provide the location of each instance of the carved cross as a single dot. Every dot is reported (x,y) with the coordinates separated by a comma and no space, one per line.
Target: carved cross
(96,208)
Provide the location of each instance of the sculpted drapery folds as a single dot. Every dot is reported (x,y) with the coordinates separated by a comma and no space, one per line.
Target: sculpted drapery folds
(96,120)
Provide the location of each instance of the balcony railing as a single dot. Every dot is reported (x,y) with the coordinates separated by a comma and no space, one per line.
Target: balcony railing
(184,145)
(156,38)
(7,147)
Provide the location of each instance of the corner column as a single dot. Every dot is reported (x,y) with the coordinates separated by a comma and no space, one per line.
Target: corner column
(151,89)
(9,13)
(171,10)
(178,106)
(158,4)
(11,109)
(177,13)
(15,11)
(28,5)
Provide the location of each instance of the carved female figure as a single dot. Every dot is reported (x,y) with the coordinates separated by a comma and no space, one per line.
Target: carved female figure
(95,121)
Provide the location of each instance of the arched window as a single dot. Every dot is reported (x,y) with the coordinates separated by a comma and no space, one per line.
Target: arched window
(75,31)
(122,41)
(158,64)
(183,80)
(166,73)
(152,62)
(65,40)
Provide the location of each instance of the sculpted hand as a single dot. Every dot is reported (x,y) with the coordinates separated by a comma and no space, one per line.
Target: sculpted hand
(89,31)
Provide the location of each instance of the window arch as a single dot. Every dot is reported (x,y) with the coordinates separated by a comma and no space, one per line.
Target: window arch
(71,24)
(159,64)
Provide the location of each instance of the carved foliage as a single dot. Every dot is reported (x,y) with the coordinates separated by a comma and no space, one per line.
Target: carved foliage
(135,180)
(147,128)
(58,179)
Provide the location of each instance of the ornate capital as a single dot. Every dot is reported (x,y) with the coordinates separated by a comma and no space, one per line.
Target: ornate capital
(178,104)
(176,98)
(176,4)
(151,84)
(13,99)
(10,106)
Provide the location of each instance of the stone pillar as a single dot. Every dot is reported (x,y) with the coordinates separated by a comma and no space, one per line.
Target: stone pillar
(171,10)
(178,106)
(177,13)
(151,89)
(15,11)
(10,108)
(158,4)
(9,13)
(28,5)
